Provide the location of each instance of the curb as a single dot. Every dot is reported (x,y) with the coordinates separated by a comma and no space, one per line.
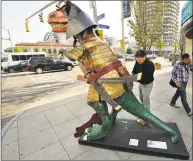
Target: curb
(6,127)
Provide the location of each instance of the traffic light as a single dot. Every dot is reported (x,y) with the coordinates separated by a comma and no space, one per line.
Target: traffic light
(26,27)
(122,43)
(58,4)
(100,35)
(41,17)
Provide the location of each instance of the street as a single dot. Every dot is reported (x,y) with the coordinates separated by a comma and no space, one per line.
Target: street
(24,90)
(20,89)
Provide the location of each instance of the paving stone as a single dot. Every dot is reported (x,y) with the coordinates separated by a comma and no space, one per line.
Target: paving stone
(125,155)
(10,151)
(99,154)
(154,104)
(52,152)
(14,125)
(73,148)
(59,115)
(29,119)
(147,157)
(10,136)
(82,109)
(190,153)
(187,140)
(163,96)
(33,127)
(37,141)
(68,128)
(184,123)
(38,109)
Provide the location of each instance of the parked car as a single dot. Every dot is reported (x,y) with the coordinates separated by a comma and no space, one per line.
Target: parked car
(73,62)
(22,66)
(40,64)
(174,57)
(151,56)
(129,57)
(120,56)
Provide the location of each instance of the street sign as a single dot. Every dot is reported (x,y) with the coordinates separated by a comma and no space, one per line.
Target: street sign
(126,8)
(103,26)
(100,34)
(92,4)
(101,17)
(122,43)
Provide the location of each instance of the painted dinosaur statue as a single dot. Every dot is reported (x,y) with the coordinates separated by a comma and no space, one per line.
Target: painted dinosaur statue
(109,81)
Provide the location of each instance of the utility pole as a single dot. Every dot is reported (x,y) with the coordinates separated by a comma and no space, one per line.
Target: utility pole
(8,38)
(122,24)
(95,12)
(94,7)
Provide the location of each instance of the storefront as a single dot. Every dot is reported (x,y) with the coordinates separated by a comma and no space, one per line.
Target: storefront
(186,25)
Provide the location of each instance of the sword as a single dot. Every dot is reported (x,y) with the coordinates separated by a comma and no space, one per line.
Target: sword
(106,97)
(120,80)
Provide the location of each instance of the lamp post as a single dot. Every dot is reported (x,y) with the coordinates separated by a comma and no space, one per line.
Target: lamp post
(8,38)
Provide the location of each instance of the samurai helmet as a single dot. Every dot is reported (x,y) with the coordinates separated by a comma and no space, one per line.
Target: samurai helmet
(78,20)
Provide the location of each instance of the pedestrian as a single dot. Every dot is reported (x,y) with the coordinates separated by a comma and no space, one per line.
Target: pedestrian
(180,75)
(146,66)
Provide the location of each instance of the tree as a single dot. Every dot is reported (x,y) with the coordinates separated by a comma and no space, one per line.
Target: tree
(175,46)
(15,48)
(147,23)
(160,45)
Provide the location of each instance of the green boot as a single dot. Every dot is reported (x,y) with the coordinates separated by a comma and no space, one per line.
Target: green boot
(96,134)
(97,131)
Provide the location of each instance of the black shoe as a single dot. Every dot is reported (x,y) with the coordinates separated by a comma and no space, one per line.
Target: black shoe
(174,105)
(190,113)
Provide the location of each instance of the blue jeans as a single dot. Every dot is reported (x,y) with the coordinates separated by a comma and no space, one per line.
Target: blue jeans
(181,91)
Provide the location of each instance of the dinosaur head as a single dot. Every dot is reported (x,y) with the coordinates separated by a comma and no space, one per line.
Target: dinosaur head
(78,21)
(58,21)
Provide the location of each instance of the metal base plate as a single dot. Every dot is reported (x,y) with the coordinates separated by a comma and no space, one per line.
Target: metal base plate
(128,135)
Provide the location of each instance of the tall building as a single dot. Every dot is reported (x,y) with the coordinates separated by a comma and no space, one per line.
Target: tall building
(171,22)
(170,28)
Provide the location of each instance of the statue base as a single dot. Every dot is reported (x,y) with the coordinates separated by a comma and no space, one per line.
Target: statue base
(128,135)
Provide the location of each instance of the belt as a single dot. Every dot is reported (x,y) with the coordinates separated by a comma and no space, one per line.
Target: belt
(94,76)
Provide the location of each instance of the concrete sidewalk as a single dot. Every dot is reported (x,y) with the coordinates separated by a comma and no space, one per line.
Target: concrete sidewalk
(46,132)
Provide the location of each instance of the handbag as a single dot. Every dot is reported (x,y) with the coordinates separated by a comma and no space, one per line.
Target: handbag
(172,83)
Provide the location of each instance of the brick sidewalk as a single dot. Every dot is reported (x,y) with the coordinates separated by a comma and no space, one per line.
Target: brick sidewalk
(46,132)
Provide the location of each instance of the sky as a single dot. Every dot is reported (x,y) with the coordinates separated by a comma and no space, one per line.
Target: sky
(14,14)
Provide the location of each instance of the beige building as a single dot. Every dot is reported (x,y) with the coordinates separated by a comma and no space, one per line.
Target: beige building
(48,47)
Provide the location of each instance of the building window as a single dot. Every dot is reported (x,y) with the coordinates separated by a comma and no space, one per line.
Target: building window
(36,50)
(54,51)
(24,50)
(49,51)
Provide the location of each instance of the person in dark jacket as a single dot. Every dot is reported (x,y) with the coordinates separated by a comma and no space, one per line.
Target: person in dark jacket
(146,66)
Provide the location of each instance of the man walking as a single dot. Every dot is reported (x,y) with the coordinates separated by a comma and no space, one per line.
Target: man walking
(180,75)
(146,66)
